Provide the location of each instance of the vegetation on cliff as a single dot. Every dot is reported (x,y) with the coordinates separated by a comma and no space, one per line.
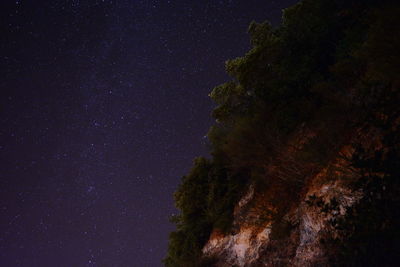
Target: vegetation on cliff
(332,66)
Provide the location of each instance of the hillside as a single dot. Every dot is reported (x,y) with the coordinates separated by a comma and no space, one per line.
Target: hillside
(305,167)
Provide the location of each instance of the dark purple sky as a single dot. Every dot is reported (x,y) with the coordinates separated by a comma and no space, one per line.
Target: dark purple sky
(103,107)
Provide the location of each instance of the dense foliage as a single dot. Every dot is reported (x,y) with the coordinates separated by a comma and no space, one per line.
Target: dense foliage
(371,228)
(331,66)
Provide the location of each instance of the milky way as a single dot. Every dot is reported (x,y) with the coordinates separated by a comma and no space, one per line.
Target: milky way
(104,105)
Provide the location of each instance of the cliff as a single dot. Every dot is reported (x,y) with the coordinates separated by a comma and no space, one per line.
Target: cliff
(295,238)
(314,229)
(305,167)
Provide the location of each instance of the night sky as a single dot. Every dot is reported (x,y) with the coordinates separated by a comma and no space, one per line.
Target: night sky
(104,105)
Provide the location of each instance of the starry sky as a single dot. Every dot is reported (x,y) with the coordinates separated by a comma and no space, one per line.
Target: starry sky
(104,104)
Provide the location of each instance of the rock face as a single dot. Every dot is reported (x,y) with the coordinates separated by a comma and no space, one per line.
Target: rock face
(297,237)
(239,249)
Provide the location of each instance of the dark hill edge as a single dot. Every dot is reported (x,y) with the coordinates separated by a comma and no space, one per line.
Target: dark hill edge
(326,79)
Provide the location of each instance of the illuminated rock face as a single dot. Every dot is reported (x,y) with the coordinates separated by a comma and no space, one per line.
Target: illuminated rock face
(239,249)
(251,242)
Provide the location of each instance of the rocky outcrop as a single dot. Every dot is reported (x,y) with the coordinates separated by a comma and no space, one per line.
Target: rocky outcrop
(297,237)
